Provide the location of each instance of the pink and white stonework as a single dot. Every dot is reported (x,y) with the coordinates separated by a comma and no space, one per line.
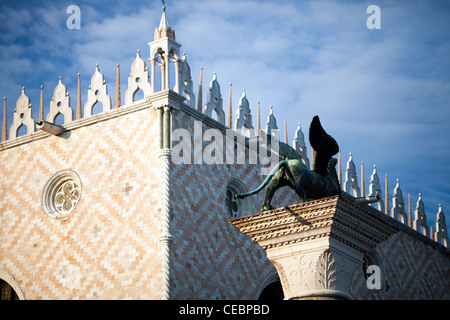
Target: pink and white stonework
(144,226)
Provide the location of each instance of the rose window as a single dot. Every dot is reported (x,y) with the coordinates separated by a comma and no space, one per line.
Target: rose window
(232,204)
(236,207)
(61,194)
(67,197)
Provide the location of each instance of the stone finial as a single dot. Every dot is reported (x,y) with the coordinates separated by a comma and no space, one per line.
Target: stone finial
(214,101)
(41,105)
(410,220)
(98,92)
(420,220)
(398,211)
(4,126)
(117,100)
(285,133)
(230,108)
(351,180)
(386,194)
(375,189)
(138,79)
(200,91)
(363,183)
(60,103)
(243,114)
(300,146)
(258,119)
(22,116)
(340,168)
(271,123)
(78,107)
(186,85)
(441,234)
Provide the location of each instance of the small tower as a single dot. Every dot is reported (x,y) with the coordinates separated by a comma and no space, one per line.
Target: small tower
(164,49)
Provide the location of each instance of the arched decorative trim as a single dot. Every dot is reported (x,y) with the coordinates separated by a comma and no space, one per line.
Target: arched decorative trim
(372,258)
(274,277)
(8,278)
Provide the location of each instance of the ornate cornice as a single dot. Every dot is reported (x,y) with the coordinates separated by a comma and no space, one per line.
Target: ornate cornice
(339,217)
(166,98)
(336,217)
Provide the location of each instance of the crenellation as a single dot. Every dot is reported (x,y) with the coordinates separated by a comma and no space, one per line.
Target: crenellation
(420,220)
(351,180)
(398,210)
(23,116)
(214,101)
(60,104)
(97,93)
(244,115)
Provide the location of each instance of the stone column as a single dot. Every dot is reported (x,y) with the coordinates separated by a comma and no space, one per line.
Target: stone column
(176,62)
(167,127)
(152,76)
(162,66)
(316,246)
(165,238)
(166,69)
(165,103)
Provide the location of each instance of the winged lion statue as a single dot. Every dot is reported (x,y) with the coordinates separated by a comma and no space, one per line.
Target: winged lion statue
(322,181)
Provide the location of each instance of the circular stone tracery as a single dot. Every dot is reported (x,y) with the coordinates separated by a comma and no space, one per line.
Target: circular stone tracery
(61,194)
(67,197)
(236,207)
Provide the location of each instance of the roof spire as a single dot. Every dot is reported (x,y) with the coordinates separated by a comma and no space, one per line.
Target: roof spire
(258,121)
(163,23)
(164,30)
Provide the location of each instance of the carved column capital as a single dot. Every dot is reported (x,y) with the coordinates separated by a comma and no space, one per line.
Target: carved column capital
(164,154)
(316,246)
(165,239)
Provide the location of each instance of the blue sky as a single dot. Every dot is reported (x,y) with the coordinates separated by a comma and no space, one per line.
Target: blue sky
(383,94)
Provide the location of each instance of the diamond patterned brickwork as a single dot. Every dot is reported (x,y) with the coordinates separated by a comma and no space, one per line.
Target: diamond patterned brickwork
(413,270)
(211,258)
(107,248)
